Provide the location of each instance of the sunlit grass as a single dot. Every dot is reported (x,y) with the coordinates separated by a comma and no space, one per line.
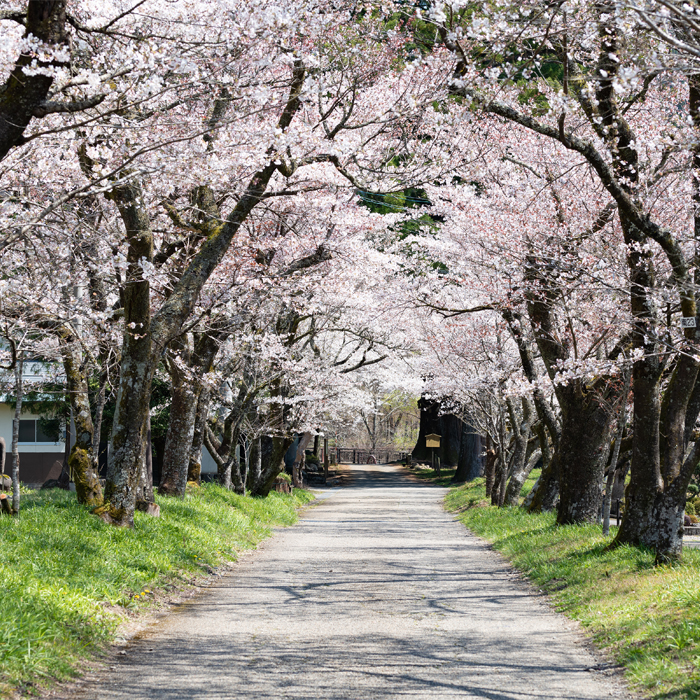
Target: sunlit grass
(64,574)
(647,618)
(442,479)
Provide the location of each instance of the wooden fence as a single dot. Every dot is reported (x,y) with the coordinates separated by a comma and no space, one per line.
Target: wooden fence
(357,455)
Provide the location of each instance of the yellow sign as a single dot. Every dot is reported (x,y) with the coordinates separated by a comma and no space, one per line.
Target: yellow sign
(432,440)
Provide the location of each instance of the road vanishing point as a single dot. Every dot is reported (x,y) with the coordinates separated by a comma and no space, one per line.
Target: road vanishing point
(376,593)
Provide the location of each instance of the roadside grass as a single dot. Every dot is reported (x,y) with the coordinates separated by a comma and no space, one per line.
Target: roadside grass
(646,618)
(66,578)
(428,474)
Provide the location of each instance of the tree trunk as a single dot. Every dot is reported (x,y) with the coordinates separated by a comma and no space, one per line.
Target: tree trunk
(273,450)
(19,365)
(255,466)
(585,435)
(522,426)
(429,423)
(148,463)
(451,436)
(499,477)
(490,468)
(612,469)
(22,94)
(546,491)
(82,460)
(299,460)
(470,464)
(515,485)
(136,369)
(194,470)
(181,428)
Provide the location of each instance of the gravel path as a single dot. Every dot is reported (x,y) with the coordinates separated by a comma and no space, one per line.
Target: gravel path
(376,593)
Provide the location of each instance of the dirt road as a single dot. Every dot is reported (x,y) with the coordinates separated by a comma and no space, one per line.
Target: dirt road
(376,593)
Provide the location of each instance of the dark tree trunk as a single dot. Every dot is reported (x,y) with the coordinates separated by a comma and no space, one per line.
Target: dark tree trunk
(137,365)
(148,463)
(490,467)
(546,491)
(471,463)
(181,427)
(429,424)
(583,449)
(272,454)
(22,95)
(255,464)
(451,437)
(499,481)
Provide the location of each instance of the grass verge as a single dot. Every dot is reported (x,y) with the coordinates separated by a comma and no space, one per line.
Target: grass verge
(646,618)
(444,478)
(65,576)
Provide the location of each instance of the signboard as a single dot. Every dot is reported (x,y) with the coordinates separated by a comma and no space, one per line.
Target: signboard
(688,322)
(432,440)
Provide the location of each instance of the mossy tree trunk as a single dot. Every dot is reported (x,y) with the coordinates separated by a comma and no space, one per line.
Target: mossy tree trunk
(82,460)
(137,364)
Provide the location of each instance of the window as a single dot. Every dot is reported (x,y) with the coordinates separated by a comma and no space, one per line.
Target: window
(39,430)
(27,431)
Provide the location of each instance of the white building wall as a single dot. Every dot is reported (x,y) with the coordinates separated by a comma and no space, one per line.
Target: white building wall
(42,460)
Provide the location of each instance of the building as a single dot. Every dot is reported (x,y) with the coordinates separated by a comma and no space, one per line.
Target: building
(41,448)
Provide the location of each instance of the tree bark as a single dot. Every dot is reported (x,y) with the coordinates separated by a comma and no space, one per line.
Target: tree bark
(546,491)
(490,468)
(137,365)
(194,470)
(255,464)
(82,460)
(429,424)
(19,365)
(451,435)
(23,94)
(181,427)
(470,464)
(622,424)
(585,435)
(521,465)
(272,455)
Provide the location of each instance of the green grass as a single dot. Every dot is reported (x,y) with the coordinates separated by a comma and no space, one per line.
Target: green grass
(646,618)
(428,474)
(65,575)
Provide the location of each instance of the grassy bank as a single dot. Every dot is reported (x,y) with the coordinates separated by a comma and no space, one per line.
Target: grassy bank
(65,576)
(646,618)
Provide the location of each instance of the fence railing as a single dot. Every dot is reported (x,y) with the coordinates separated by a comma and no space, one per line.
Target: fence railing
(356,455)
